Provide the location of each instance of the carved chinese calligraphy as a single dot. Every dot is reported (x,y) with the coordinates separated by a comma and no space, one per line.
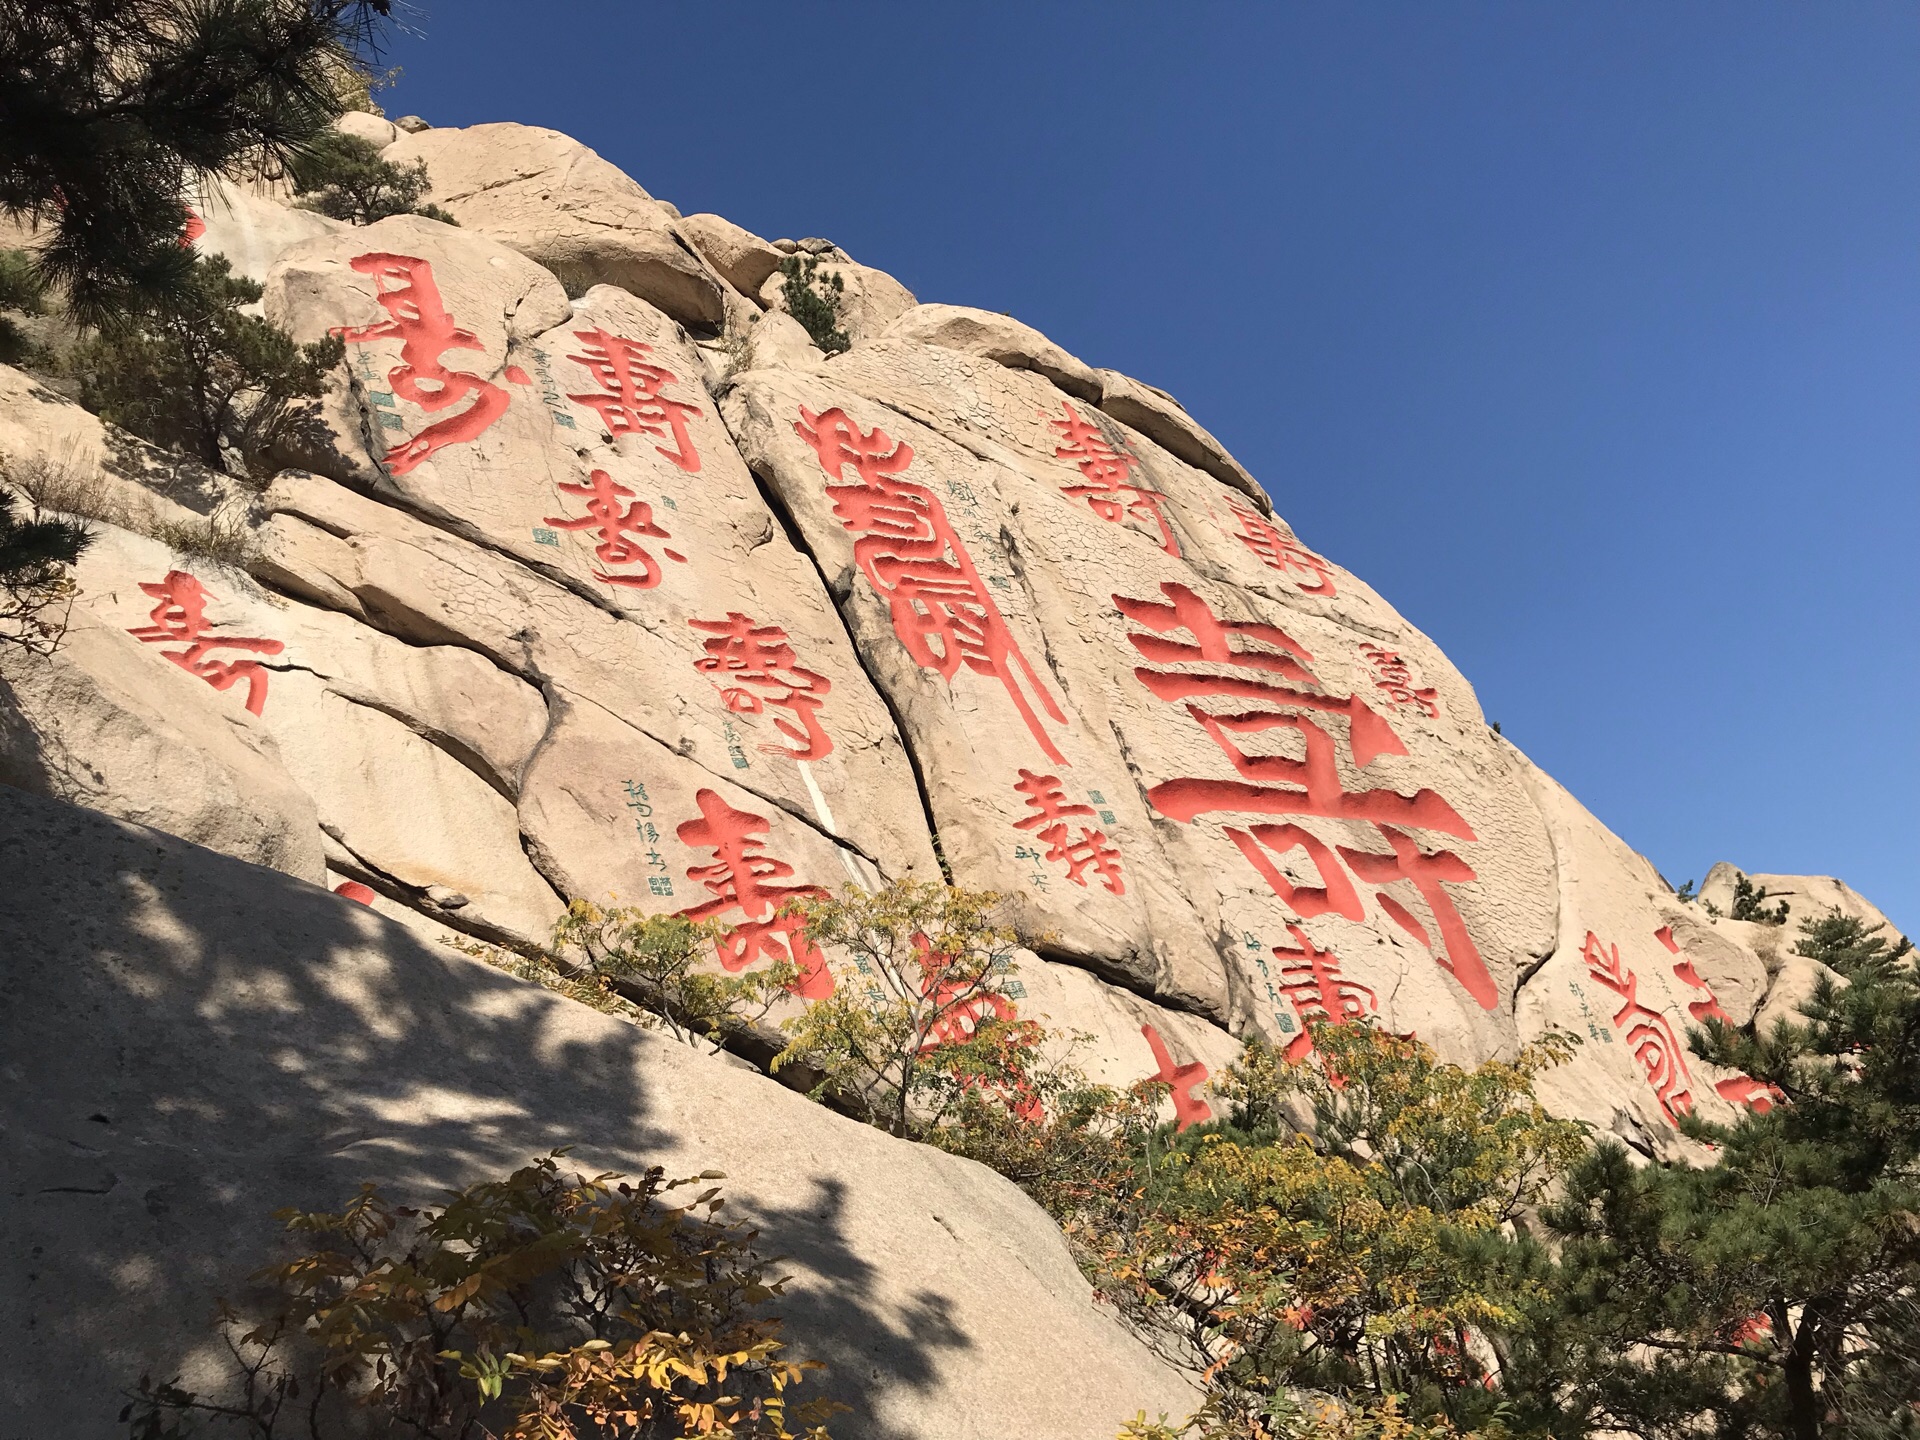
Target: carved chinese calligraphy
(1262,674)
(912,556)
(1108,474)
(612,525)
(632,399)
(1279,551)
(418,319)
(1708,1004)
(1310,978)
(1756,1095)
(756,668)
(1188,1108)
(741,878)
(1049,822)
(1648,1034)
(181,614)
(1393,675)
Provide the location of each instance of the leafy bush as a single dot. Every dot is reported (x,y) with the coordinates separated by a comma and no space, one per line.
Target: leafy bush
(814,300)
(656,958)
(923,1018)
(201,376)
(1371,1259)
(536,1307)
(343,177)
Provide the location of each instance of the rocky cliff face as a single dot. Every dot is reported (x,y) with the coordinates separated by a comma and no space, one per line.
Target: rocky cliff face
(595,578)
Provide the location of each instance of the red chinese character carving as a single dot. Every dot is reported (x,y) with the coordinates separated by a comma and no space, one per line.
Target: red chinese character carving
(1310,786)
(1109,491)
(1756,1095)
(740,878)
(182,615)
(1334,895)
(1051,812)
(1277,550)
(744,654)
(1310,978)
(612,525)
(1648,1034)
(1426,872)
(1683,971)
(911,555)
(630,398)
(1393,675)
(418,319)
(1188,1108)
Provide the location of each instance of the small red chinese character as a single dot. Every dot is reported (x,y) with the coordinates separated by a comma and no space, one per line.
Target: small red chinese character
(1110,492)
(1051,811)
(912,556)
(418,319)
(1648,1034)
(612,525)
(1310,978)
(1188,1108)
(1395,676)
(630,399)
(740,878)
(742,654)
(1278,550)
(182,615)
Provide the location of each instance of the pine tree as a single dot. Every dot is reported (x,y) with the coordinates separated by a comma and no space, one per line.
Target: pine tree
(199,375)
(814,300)
(110,109)
(1777,1291)
(35,584)
(343,177)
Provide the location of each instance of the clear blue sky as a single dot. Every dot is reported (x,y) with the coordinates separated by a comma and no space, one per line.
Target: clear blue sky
(1588,333)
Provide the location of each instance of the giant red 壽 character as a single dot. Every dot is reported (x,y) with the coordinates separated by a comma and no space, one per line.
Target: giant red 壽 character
(418,319)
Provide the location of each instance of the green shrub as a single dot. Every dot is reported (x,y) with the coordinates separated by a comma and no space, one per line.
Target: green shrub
(200,376)
(343,177)
(814,300)
(36,584)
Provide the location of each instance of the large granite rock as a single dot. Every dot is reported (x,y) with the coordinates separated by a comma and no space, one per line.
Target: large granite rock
(1105,681)
(550,197)
(188,1043)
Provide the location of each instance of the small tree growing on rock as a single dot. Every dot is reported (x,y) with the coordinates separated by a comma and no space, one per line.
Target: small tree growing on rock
(924,1016)
(343,177)
(814,300)
(659,960)
(199,375)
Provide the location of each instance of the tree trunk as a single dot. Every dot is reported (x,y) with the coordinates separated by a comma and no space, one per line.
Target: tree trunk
(1803,1406)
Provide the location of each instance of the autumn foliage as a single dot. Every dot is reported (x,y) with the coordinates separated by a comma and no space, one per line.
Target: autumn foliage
(539,1307)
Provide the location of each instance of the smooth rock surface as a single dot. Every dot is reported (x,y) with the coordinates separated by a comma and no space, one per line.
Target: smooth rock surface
(550,197)
(188,1043)
(999,338)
